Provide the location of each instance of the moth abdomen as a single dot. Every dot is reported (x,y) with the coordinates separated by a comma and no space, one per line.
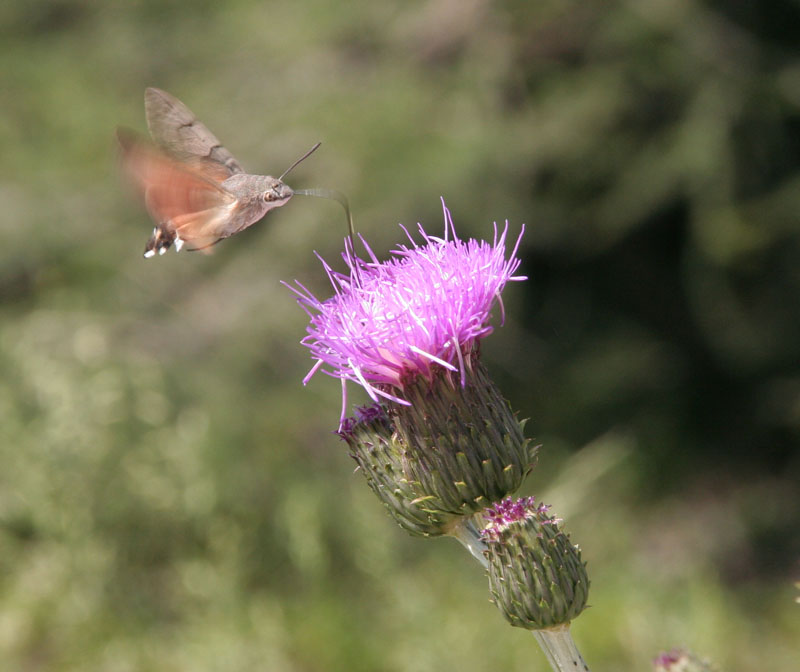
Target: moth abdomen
(161,240)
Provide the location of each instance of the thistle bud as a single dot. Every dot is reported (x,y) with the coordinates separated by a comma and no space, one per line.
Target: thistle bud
(536,575)
(381,457)
(464,448)
(678,660)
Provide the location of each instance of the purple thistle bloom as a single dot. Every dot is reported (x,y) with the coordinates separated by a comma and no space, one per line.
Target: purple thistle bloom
(424,308)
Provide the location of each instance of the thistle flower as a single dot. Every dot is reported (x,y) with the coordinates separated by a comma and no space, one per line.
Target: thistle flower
(424,309)
(408,330)
(536,575)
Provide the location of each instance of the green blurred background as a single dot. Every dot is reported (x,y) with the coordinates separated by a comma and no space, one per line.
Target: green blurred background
(172,498)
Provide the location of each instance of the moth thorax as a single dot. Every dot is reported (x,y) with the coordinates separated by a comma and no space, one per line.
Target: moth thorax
(257,186)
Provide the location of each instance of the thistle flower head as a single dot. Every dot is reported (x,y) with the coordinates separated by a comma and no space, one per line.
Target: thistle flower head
(445,442)
(424,308)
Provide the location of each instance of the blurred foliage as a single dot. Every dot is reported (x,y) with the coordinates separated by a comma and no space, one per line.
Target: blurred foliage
(171,498)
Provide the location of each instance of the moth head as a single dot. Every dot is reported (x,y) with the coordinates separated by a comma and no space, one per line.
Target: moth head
(278,193)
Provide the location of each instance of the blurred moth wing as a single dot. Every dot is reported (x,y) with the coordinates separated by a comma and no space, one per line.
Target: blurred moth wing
(185,199)
(194,189)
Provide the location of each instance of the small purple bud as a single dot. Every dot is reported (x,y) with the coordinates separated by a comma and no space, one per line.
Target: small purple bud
(507,512)
(679,660)
(536,575)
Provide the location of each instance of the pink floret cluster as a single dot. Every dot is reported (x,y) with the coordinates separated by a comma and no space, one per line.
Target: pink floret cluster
(423,308)
(507,512)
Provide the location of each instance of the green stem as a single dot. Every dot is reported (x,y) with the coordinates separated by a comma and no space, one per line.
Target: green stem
(557,643)
(560,649)
(468,531)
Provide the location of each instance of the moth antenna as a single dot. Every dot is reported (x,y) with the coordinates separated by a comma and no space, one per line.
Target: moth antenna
(302,158)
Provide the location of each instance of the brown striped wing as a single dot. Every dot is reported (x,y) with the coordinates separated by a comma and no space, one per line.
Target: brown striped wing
(177,131)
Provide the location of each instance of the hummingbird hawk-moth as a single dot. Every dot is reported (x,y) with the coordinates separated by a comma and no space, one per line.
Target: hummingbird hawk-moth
(194,189)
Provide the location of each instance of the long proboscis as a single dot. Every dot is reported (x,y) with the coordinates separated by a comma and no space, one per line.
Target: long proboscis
(337,196)
(340,198)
